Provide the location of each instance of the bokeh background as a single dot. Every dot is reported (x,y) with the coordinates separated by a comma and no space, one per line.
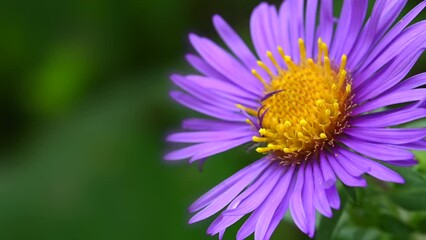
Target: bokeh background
(84,110)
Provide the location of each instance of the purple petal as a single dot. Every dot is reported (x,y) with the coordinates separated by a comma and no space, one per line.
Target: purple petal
(296,202)
(421,104)
(285,33)
(280,212)
(206,95)
(388,118)
(220,92)
(409,42)
(404,163)
(367,35)
(218,147)
(234,42)
(248,227)
(378,151)
(184,152)
(296,25)
(199,124)
(326,24)
(221,223)
(348,27)
(352,167)
(320,199)
(391,12)
(204,68)
(248,202)
(208,136)
(269,207)
(327,171)
(263,32)
(391,35)
(344,175)
(227,65)
(218,85)
(387,135)
(311,14)
(411,83)
(418,145)
(229,216)
(276,195)
(274,23)
(390,99)
(194,104)
(204,150)
(308,194)
(333,197)
(404,57)
(204,200)
(376,170)
(220,196)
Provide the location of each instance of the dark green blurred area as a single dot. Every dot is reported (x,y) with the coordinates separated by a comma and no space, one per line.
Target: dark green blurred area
(84,110)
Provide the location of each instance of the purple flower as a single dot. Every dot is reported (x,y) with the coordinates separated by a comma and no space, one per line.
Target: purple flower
(318,101)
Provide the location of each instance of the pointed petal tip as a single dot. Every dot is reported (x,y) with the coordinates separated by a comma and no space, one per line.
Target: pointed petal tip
(193,220)
(193,207)
(189,56)
(400,181)
(397,179)
(170,157)
(193,37)
(175,77)
(217,19)
(174,93)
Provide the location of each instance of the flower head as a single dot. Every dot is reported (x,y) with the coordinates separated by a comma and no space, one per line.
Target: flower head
(319,102)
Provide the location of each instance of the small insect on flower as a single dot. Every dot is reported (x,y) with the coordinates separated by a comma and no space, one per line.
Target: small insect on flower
(318,101)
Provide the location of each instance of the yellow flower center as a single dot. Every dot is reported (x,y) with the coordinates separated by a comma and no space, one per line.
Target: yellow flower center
(305,105)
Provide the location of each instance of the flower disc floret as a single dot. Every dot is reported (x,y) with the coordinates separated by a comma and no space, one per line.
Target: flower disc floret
(305,106)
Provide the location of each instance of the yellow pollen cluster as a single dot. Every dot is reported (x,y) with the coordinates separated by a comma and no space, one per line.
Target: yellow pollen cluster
(305,105)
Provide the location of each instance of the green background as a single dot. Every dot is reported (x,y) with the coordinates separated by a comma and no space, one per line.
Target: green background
(84,110)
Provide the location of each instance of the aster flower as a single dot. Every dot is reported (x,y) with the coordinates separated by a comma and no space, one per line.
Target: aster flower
(318,103)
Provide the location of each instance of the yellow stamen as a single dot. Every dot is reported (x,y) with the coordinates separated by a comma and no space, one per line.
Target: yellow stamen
(302,50)
(257,75)
(249,122)
(250,111)
(320,51)
(327,65)
(324,49)
(266,68)
(290,64)
(259,139)
(309,107)
(342,78)
(273,60)
(281,51)
(343,63)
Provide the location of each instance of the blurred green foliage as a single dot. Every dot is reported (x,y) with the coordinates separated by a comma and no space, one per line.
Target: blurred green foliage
(83,115)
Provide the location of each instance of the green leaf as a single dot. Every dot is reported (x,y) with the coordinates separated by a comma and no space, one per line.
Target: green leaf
(61,78)
(411,195)
(415,124)
(394,226)
(421,157)
(357,233)
(352,193)
(410,198)
(411,176)
(418,222)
